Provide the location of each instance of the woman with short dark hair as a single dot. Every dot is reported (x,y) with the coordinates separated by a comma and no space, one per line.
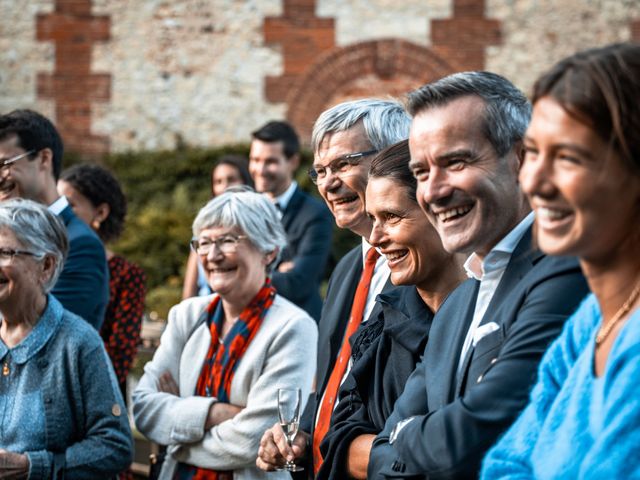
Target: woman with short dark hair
(582,175)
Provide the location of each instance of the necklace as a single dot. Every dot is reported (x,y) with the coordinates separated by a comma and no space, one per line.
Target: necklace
(605,330)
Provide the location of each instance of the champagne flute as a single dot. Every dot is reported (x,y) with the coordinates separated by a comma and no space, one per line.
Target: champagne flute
(289,413)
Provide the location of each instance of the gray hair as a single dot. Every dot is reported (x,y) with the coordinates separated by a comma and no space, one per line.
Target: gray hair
(38,230)
(507,111)
(385,122)
(253,213)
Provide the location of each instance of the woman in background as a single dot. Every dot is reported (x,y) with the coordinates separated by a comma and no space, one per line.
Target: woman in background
(96,197)
(582,175)
(230,170)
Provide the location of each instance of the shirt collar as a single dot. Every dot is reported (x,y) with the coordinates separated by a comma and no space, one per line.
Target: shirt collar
(499,256)
(38,337)
(284,199)
(59,205)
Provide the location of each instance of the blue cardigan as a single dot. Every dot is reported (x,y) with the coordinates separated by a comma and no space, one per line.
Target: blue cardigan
(86,430)
(577,425)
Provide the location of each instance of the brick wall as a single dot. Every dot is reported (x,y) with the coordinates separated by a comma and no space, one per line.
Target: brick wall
(149,74)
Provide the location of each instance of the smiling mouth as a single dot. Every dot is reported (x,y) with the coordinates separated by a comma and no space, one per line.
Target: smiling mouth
(453,213)
(222,270)
(395,256)
(553,214)
(345,200)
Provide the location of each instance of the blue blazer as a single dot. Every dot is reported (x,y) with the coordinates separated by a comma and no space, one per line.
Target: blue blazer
(459,416)
(309,228)
(83,285)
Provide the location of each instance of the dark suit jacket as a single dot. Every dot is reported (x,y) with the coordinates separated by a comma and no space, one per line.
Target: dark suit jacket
(458,417)
(385,352)
(309,228)
(83,285)
(333,322)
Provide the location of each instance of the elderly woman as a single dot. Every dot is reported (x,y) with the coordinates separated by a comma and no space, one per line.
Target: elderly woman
(582,175)
(386,349)
(211,388)
(63,415)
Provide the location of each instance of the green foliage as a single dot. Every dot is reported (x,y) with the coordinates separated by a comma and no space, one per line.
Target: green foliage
(165,190)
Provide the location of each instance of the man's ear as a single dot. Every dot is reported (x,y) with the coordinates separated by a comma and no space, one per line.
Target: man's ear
(45,157)
(270,257)
(294,161)
(520,153)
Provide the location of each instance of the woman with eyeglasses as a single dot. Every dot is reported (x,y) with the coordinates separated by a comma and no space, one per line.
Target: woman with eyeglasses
(211,389)
(581,173)
(230,170)
(62,412)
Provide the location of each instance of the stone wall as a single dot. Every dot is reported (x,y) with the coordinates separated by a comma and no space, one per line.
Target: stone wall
(150,74)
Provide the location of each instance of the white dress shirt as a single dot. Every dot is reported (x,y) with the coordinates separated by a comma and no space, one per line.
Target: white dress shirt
(59,205)
(283,200)
(489,272)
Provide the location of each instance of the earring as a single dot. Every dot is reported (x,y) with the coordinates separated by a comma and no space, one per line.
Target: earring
(95,225)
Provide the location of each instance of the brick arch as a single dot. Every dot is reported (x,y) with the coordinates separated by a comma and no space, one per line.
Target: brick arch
(374,68)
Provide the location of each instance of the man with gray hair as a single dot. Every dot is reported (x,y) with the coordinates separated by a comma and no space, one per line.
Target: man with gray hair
(487,338)
(345,138)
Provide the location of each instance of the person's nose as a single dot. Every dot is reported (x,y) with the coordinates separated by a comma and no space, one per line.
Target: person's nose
(536,176)
(331,181)
(377,236)
(436,187)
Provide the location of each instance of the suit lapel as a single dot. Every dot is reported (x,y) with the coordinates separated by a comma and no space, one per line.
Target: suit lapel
(294,205)
(66,215)
(339,309)
(523,257)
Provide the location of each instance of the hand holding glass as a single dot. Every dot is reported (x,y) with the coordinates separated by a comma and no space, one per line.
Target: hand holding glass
(289,414)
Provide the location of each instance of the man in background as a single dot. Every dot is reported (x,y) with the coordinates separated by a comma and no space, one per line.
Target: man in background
(30,164)
(273,161)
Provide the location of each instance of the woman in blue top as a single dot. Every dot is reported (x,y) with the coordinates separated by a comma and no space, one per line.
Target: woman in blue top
(582,175)
(61,412)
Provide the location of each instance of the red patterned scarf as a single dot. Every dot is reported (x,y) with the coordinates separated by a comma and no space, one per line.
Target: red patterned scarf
(222,360)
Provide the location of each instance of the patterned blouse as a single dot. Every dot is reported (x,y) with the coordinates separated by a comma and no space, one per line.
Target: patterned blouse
(123,319)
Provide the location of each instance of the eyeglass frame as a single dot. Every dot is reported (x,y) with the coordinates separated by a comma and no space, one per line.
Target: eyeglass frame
(351,159)
(8,254)
(5,165)
(195,243)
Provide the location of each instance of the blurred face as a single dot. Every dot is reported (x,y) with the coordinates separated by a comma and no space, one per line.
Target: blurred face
(403,234)
(81,205)
(269,167)
(344,192)
(469,194)
(22,278)
(23,178)
(223,177)
(585,200)
(234,276)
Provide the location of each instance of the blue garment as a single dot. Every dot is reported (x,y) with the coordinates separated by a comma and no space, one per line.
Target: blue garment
(61,404)
(83,285)
(578,425)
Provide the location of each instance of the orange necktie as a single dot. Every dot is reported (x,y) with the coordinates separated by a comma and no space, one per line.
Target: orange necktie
(331,392)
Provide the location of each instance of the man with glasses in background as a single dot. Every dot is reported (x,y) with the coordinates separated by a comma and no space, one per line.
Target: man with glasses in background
(273,160)
(30,163)
(345,138)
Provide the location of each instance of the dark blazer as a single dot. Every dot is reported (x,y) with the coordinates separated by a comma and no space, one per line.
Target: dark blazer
(384,353)
(458,417)
(309,228)
(83,285)
(333,323)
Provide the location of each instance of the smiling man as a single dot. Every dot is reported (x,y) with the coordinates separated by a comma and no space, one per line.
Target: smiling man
(30,163)
(487,338)
(345,138)
(273,161)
